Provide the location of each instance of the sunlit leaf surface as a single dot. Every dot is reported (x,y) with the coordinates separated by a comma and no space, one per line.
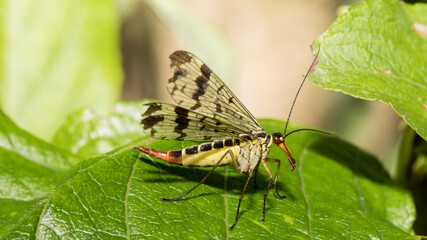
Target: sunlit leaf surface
(378,51)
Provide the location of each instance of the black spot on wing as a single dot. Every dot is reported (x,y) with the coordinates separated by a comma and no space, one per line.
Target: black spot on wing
(172,92)
(179,57)
(206,71)
(181,111)
(182,124)
(220,88)
(237,141)
(182,121)
(201,87)
(196,106)
(152,108)
(149,122)
(176,74)
(181,137)
(218,108)
(152,132)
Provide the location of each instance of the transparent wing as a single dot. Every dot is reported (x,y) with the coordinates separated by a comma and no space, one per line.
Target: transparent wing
(167,121)
(194,86)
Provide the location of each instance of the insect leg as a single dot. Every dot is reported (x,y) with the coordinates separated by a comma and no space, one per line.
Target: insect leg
(235,164)
(277,174)
(256,171)
(272,180)
(204,179)
(268,187)
(251,173)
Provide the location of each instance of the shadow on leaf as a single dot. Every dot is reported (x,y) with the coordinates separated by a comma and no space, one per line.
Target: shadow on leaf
(359,162)
(235,181)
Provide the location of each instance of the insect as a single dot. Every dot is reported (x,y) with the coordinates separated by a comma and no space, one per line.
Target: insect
(209,112)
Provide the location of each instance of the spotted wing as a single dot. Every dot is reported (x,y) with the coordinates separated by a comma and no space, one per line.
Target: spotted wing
(194,86)
(167,121)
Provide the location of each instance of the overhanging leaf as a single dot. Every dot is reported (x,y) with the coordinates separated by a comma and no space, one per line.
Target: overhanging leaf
(337,191)
(378,51)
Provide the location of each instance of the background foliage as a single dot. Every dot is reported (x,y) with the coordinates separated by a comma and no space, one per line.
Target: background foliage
(54,56)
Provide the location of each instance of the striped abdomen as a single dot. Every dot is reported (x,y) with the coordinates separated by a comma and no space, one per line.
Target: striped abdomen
(205,154)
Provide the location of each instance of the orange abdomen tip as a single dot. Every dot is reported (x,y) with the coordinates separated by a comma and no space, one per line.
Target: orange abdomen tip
(174,157)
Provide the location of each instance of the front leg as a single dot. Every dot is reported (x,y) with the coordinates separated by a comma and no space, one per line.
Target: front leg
(255,173)
(276,175)
(272,180)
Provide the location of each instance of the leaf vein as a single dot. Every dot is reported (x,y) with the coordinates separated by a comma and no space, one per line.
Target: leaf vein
(126,197)
(302,186)
(401,78)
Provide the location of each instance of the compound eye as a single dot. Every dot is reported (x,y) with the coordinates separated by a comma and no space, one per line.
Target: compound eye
(277,138)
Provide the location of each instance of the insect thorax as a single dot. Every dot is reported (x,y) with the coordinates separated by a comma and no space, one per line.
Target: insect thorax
(252,151)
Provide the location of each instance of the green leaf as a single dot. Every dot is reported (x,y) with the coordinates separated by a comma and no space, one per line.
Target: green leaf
(88,134)
(377,51)
(336,191)
(17,142)
(29,170)
(57,56)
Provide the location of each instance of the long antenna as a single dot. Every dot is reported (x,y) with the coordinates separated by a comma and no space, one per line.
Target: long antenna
(307,129)
(299,89)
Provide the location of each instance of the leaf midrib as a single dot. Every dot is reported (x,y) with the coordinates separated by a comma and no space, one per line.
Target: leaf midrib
(126,205)
(381,74)
(299,171)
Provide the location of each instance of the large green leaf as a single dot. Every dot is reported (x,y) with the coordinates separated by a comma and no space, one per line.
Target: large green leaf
(29,170)
(56,57)
(336,191)
(378,51)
